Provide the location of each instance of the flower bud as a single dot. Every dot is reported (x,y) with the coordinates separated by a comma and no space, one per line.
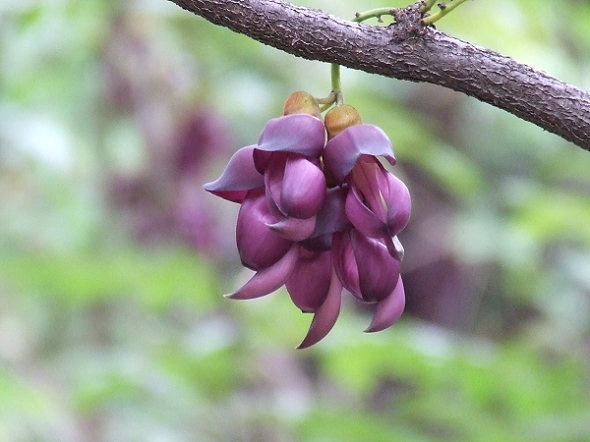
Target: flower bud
(340,118)
(301,102)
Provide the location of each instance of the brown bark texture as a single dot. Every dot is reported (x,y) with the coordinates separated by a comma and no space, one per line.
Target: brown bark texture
(406,50)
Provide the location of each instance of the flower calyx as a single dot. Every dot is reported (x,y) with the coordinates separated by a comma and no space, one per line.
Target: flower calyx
(339,118)
(301,102)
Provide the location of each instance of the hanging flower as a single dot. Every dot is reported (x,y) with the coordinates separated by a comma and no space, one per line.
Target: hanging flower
(318,217)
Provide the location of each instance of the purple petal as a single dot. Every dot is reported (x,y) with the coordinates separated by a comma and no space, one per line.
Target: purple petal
(269,279)
(389,309)
(273,177)
(331,218)
(239,176)
(304,188)
(369,177)
(325,316)
(364,265)
(309,282)
(299,133)
(343,151)
(399,205)
(378,271)
(378,204)
(362,218)
(345,263)
(294,229)
(258,245)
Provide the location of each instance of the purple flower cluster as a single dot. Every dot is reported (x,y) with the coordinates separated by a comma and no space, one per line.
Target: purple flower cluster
(318,216)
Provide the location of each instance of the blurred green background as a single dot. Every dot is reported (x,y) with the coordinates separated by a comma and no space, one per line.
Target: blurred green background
(113,260)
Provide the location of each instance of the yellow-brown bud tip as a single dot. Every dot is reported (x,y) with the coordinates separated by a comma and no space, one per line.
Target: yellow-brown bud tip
(301,102)
(339,118)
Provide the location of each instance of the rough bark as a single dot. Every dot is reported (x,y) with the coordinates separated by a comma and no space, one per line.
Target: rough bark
(408,51)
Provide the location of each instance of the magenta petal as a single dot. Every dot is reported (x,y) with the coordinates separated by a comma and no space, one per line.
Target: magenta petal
(399,205)
(268,280)
(345,263)
(299,133)
(304,188)
(309,282)
(389,309)
(362,218)
(331,218)
(378,204)
(378,271)
(342,152)
(273,178)
(239,176)
(370,178)
(325,316)
(258,245)
(294,229)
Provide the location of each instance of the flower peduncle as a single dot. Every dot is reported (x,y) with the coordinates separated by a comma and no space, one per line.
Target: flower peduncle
(443,9)
(336,96)
(373,13)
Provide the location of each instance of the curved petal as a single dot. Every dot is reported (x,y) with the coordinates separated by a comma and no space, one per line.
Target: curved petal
(379,203)
(239,176)
(294,229)
(262,159)
(269,279)
(303,188)
(378,271)
(331,218)
(310,280)
(273,177)
(399,205)
(325,316)
(258,245)
(362,218)
(345,263)
(389,309)
(370,178)
(343,151)
(300,133)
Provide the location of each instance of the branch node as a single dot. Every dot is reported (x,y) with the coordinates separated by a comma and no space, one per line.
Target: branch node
(408,23)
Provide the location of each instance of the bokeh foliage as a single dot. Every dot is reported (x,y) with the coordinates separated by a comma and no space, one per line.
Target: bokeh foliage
(113,262)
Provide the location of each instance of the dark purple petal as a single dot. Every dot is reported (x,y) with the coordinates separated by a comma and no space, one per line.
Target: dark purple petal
(389,309)
(345,263)
(331,218)
(299,133)
(304,188)
(362,218)
(364,265)
(269,279)
(378,204)
(370,178)
(239,176)
(378,271)
(273,177)
(310,280)
(258,245)
(343,151)
(325,316)
(294,229)
(399,205)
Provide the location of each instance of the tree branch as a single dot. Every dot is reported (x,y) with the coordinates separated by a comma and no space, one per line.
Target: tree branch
(408,51)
